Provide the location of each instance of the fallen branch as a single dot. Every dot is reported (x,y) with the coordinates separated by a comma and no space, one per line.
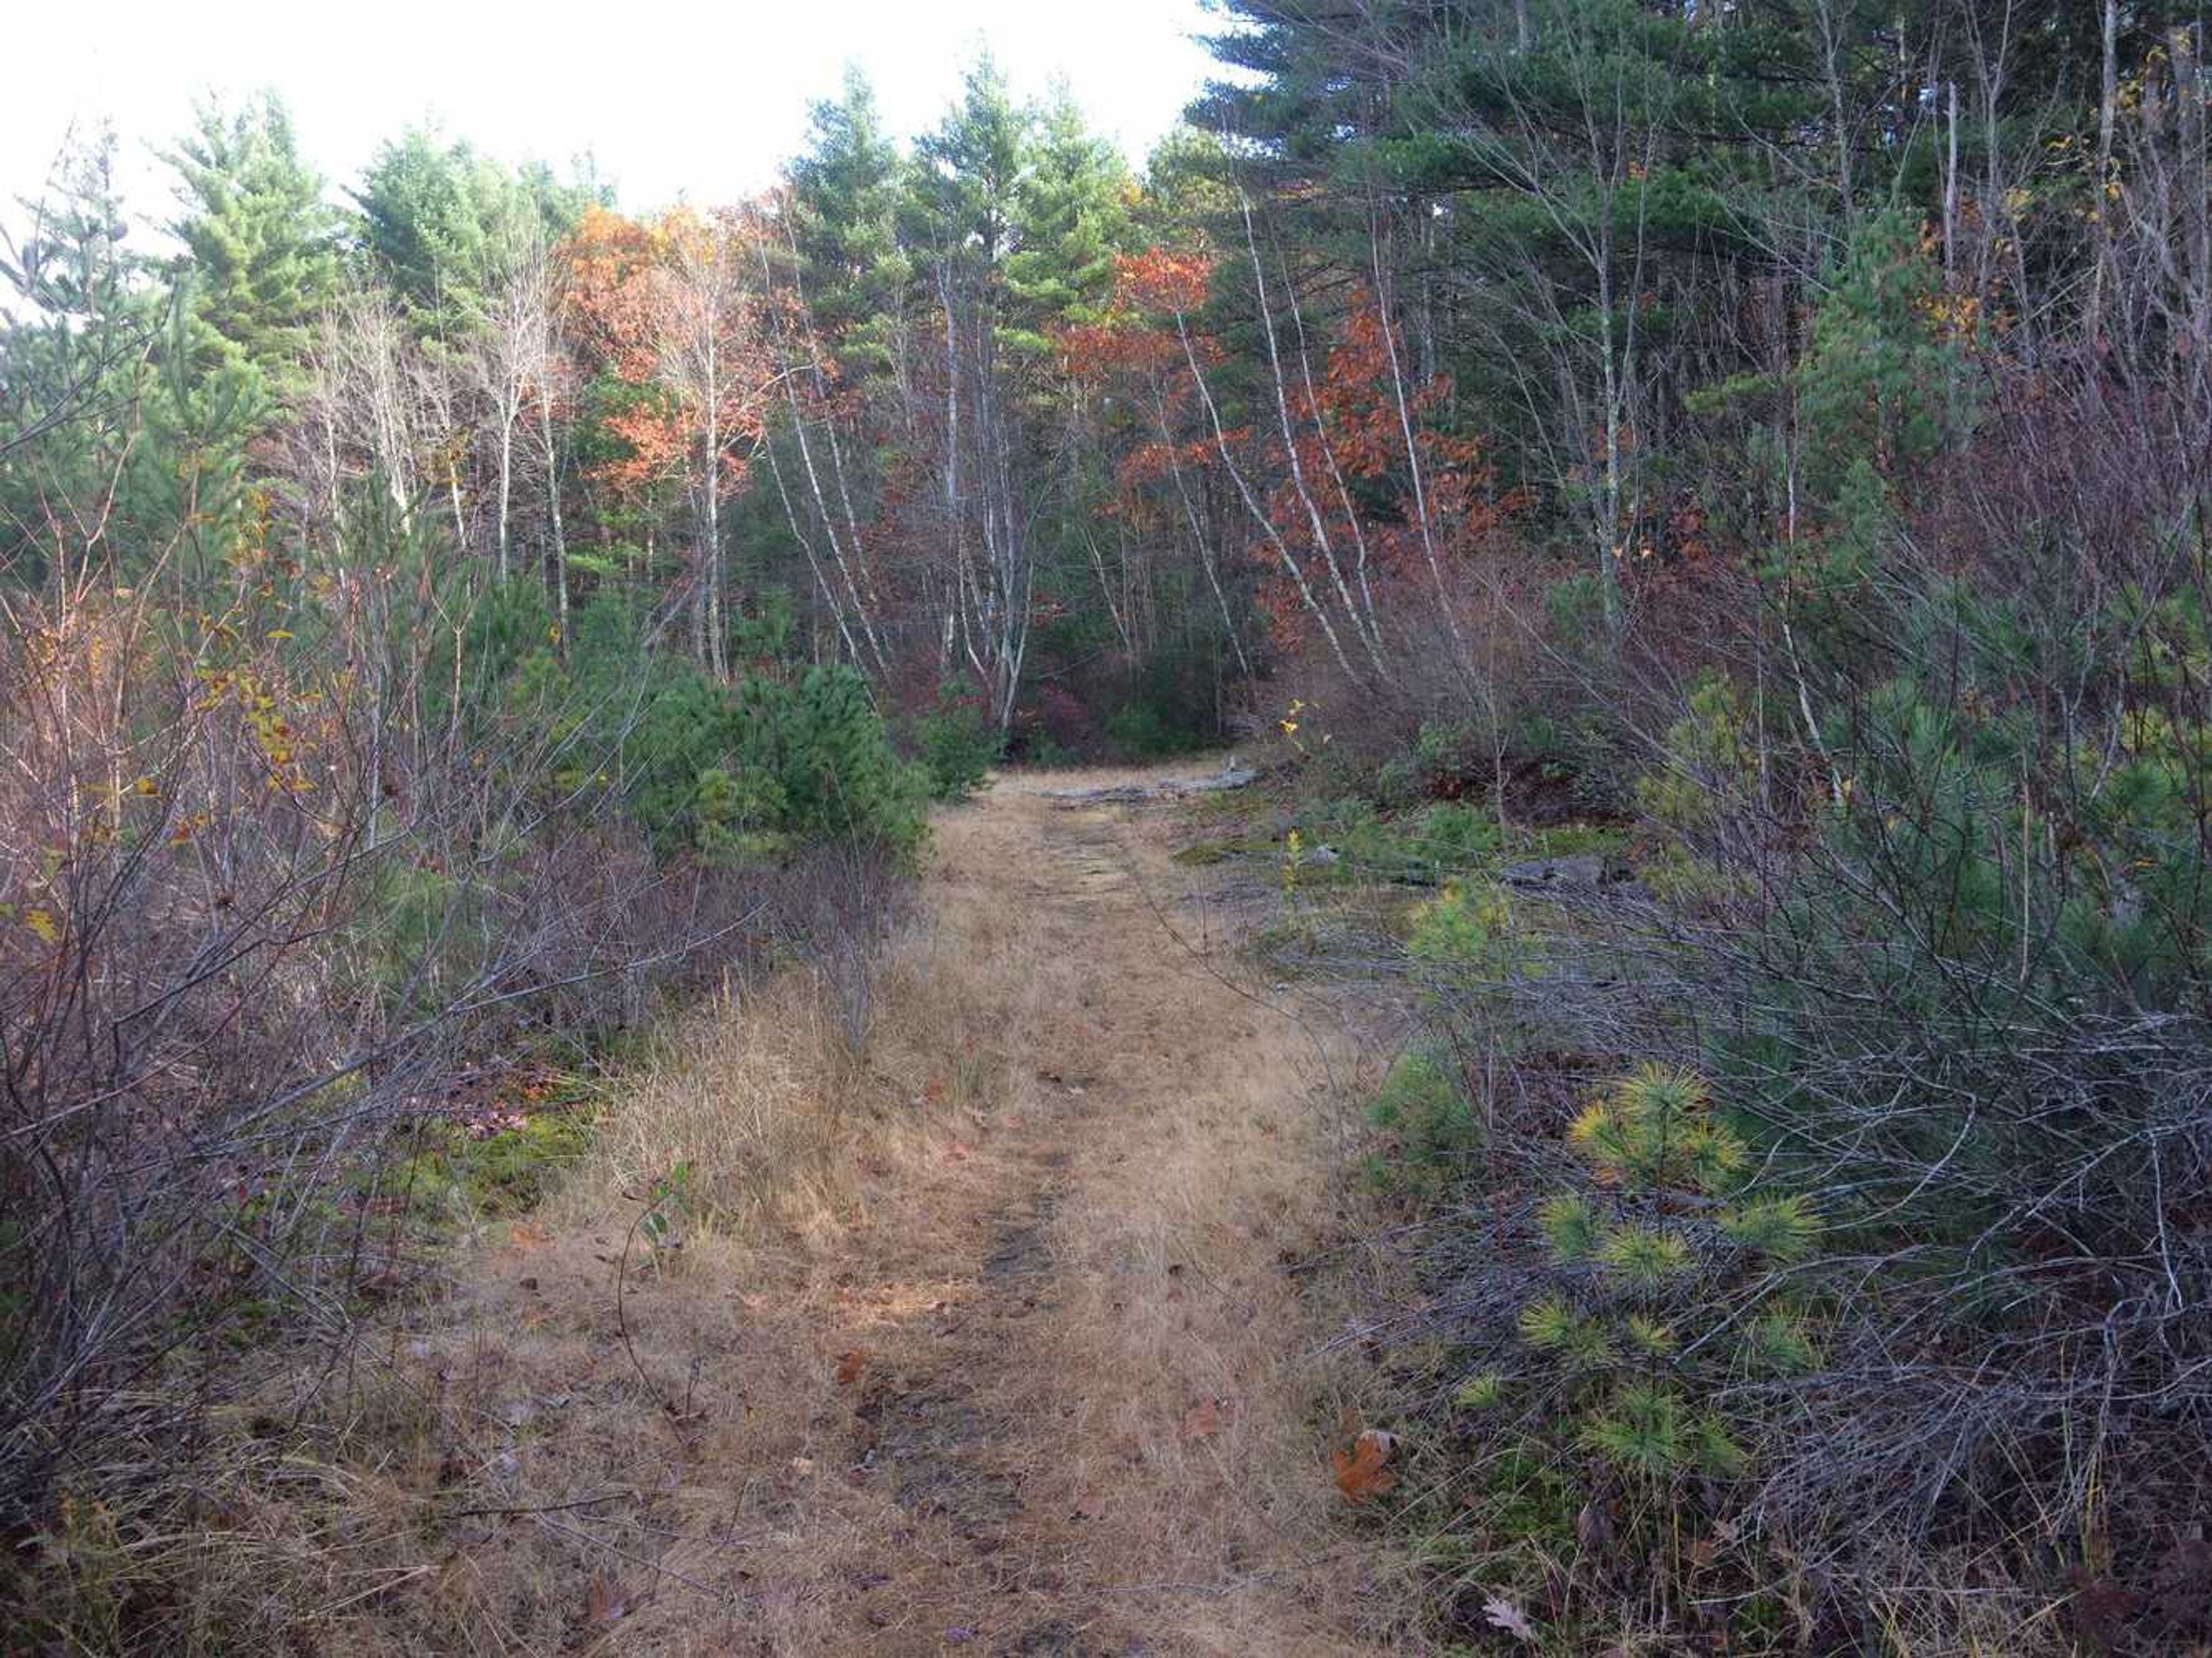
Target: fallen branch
(1231,776)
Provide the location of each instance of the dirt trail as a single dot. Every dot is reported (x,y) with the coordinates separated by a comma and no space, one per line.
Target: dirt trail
(1095,1438)
(1020,1368)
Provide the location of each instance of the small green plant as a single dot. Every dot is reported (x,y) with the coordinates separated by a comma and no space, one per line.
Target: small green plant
(1710,764)
(1432,1126)
(666,1202)
(1666,1286)
(1468,937)
(1046,753)
(1452,837)
(1446,752)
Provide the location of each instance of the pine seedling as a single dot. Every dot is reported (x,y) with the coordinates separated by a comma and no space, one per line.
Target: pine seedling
(1570,1228)
(1782,1229)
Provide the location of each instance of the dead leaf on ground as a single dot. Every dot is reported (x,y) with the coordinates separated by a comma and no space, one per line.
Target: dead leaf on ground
(1501,1614)
(1360,1473)
(605,1601)
(849,1366)
(1207,1417)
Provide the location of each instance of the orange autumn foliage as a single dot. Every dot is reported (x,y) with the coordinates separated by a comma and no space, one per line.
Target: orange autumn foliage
(666,306)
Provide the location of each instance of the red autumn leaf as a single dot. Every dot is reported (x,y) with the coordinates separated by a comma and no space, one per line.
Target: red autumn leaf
(850,1364)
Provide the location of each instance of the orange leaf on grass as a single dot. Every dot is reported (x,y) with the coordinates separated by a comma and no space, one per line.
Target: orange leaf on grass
(1360,1473)
(849,1366)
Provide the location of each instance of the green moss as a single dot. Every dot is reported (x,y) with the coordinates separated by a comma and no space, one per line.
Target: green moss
(512,1170)
(456,1178)
(1201,854)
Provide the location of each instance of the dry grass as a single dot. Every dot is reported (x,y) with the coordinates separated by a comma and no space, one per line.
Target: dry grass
(983,1335)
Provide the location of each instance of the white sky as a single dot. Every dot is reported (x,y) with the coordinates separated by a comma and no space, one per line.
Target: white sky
(703,97)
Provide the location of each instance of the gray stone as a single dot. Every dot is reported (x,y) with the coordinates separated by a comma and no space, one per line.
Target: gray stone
(1584,870)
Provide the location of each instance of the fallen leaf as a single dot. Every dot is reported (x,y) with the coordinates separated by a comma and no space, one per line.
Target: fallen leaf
(1359,1472)
(849,1366)
(1501,1614)
(1207,1417)
(958,1151)
(605,1601)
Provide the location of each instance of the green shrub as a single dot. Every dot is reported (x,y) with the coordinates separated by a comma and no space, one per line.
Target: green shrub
(959,746)
(1468,938)
(821,740)
(1168,708)
(725,773)
(1431,1124)
(1454,837)
(1446,752)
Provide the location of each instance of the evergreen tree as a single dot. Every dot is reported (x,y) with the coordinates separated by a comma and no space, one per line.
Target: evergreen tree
(843,225)
(73,361)
(72,262)
(965,200)
(261,247)
(444,226)
(1072,218)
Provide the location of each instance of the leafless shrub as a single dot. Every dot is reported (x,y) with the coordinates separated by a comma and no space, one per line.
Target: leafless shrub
(259,897)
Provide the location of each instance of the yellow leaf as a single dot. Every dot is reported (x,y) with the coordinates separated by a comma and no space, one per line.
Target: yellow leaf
(42,922)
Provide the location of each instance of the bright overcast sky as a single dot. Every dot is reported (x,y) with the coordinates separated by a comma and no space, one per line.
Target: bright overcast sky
(697,97)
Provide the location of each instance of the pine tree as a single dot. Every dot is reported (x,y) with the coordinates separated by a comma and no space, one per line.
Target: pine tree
(843,226)
(445,226)
(72,262)
(964,201)
(1073,217)
(261,245)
